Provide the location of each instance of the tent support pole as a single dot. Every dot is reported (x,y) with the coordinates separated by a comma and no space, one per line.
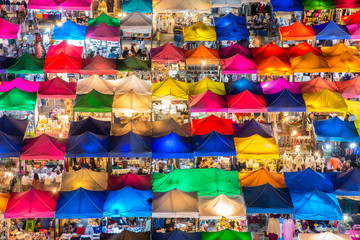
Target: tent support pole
(20,174)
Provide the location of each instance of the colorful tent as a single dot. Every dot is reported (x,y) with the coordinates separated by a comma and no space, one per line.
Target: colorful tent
(253,127)
(261,177)
(78,5)
(139,182)
(181,6)
(31,204)
(130,145)
(80,203)
(351,19)
(353,109)
(331,31)
(132,83)
(27,64)
(309,63)
(43,4)
(175,204)
(95,82)
(13,127)
(67,49)
(273,66)
(6,62)
(318,4)
(212,123)
(257,200)
(17,100)
(62,63)
(165,127)
(167,53)
(226,235)
(215,207)
(142,6)
(104,18)
(126,235)
(270,50)
(132,63)
(354,30)
(324,236)
(4,198)
(128,202)
(172,146)
(85,179)
(87,145)
(22,84)
(207,102)
(204,85)
(202,55)
(138,127)
(317,84)
(285,101)
(199,32)
(98,65)
(69,31)
(232,50)
(256,147)
(43,147)
(177,235)
(302,49)
(339,49)
(10,146)
(136,22)
(197,180)
(238,65)
(90,125)
(344,63)
(245,102)
(170,88)
(242,85)
(9,30)
(57,88)
(131,101)
(279,85)
(287,5)
(324,101)
(230,27)
(103,32)
(349,88)
(346,183)
(93,102)
(334,129)
(296,32)
(214,144)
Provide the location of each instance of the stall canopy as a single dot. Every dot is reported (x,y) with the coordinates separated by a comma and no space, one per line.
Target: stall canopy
(67,49)
(273,66)
(242,85)
(62,63)
(10,145)
(103,32)
(214,144)
(279,85)
(5,63)
(172,146)
(287,5)
(324,101)
(9,30)
(331,31)
(212,123)
(261,177)
(354,30)
(316,205)
(176,235)
(339,49)
(165,127)
(141,6)
(98,65)
(231,27)
(142,128)
(353,109)
(69,31)
(351,19)
(84,178)
(22,84)
(57,88)
(296,32)
(318,4)
(346,183)
(132,102)
(130,145)
(207,102)
(31,204)
(78,5)
(257,200)
(175,204)
(309,63)
(13,127)
(4,198)
(139,182)
(170,88)
(302,49)
(349,88)
(199,32)
(324,236)
(226,235)
(87,145)
(132,63)
(253,127)
(43,4)
(317,85)
(232,50)
(103,18)
(90,125)
(93,102)
(43,147)
(167,53)
(270,50)
(204,85)
(136,22)
(238,65)
(128,202)
(80,203)
(95,82)
(285,101)
(256,147)
(225,3)
(335,129)
(17,100)
(126,235)
(182,6)
(197,180)
(202,55)
(27,64)
(217,206)
(344,63)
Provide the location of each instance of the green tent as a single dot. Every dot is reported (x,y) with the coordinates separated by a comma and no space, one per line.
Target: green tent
(141,6)
(132,63)
(27,64)
(93,102)
(103,18)
(226,235)
(205,181)
(17,100)
(318,4)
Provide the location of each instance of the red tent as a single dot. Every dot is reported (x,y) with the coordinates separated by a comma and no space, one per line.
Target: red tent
(351,19)
(238,64)
(296,31)
(64,47)
(103,32)
(207,102)
(302,49)
(9,30)
(316,85)
(62,63)
(212,123)
(347,3)
(139,182)
(31,204)
(270,50)
(167,53)
(349,88)
(246,102)
(232,50)
(77,5)
(98,65)
(57,88)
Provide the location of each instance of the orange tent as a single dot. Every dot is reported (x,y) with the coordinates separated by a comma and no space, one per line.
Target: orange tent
(260,177)
(296,31)
(351,19)
(270,50)
(339,49)
(202,55)
(302,49)
(273,66)
(350,88)
(309,63)
(344,63)
(316,85)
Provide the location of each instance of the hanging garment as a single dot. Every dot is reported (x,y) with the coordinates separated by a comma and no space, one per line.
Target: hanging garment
(273,226)
(288,229)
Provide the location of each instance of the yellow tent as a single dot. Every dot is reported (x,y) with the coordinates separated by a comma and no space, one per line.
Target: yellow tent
(131,101)
(309,63)
(339,49)
(4,198)
(171,88)
(207,84)
(345,62)
(324,101)
(260,177)
(199,32)
(256,147)
(353,108)
(84,178)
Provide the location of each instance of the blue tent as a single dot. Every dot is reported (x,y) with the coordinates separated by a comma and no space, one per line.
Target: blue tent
(90,125)
(346,183)
(172,146)
(87,145)
(251,128)
(286,5)
(10,146)
(308,180)
(13,127)
(130,145)
(141,6)
(316,205)
(334,129)
(231,27)
(176,235)
(241,85)
(69,31)
(214,144)
(267,199)
(285,101)
(80,203)
(331,31)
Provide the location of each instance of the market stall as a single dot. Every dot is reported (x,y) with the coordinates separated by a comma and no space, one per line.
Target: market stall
(85,179)
(139,182)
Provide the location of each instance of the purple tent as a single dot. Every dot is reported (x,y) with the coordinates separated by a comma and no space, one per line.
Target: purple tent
(251,128)
(232,50)
(278,85)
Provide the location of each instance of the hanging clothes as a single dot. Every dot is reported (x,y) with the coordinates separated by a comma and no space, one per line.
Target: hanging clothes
(288,229)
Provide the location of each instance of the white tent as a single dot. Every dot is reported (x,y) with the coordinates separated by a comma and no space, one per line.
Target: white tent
(323,236)
(182,6)
(136,23)
(84,178)
(217,207)
(131,101)
(134,83)
(142,128)
(225,3)
(101,85)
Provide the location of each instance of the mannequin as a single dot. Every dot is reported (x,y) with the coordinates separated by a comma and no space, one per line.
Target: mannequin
(298,162)
(310,162)
(164,23)
(289,163)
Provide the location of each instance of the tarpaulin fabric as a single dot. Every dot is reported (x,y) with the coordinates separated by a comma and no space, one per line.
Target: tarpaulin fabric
(136,23)
(238,65)
(256,147)
(78,5)
(344,63)
(347,3)
(95,82)
(273,66)
(22,84)
(9,30)
(181,6)
(324,101)
(141,6)
(84,178)
(27,64)
(130,145)
(167,53)
(93,102)
(226,235)
(98,65)
(353,109)
(17,100)
(90,125)
(279,85)
(207,102)
(172,146)
(232,50)
(318,4)
(197,180)
(316,205)
(346,183)
(324,236)
(261,177)
(87,145)
(339,49)
(67,49)
(62,63)
(242,85)
(246,102)
(349,88)
(13,127)
(318,84)
(31,204)
(126,235)
(170,88)
(308,180)
(5,63)
(351,19)
(80,203)
(257,200)
(162,128)
(176,235)
(142,128)
(4,198)
(69,31)
(215,207)
(43,4)
(225,3)
(287,5)
(10,146)
(270,50)
(128,202)
(43,147)
(139,182)
(201,55)
(214,144)
(204,85)
(230,27)
(104,18)
(199,32)
(132,101)
(331,31)
(285,101)
(302,49)
(335,129)
(103,32)
(132,63)
(211,123)
(296,32)
(309,63)
(354,30)
(57,88)
(252,127)
(175,204)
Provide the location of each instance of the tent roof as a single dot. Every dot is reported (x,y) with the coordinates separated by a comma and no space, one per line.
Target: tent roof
(167,53)
(139,182)
(217,206)
(256,147)
(43,147)
(132,83)
(12,126)
(93,102)
(318,4)
(324,101)
(22,84)
(302,49)
(67,49)
(198,55)
(142,128)
(136,22)
(197,180)
(207,102)
(285,101)
(353,109)
(261,177)
(349,88)
(172,146)
(85,179)
(17,100)
(174,89)
(5,63)
(132,101)
(69,31)
(87,145)
(10,146)
(253,127)
(238,65)
(225,3)
(43,4)
(181,6)
(273,66)
(62,63)
(331,31)
(296,31)
(95,82)
(204,85)
(90,124)
(212,123)
(351,19)
(344,63)
(232,50)
(317,84)
(309,63)
(4,199)
(126,235)
(324,236)
(226,235)
(104,18)
(230,27)
(287,5)
(335,129)
(79,5)
(270,50)
(354,30)
(228,19)
(103,32)
(241,85)
(214,144)
(177,235)
(9,30)
(257,199)
(132,63)
(347,3)
(57,88)
(27,64)
(165,127)
(130,145)
(339,49)
(346,183)
(98,65)
(142,6)
(278,85)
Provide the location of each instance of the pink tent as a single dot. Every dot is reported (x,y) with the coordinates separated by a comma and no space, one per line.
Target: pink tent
(139,182)
(167,53)
(350,88)
(103,32)
(31,204)
(9,30)
(207,102)
(232,50)
(57,88)
(43,4)
(317,85)
(245,102)
(64,47)
(238,64)
(354,30)
(78,5)
(278,85)
(22,84)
